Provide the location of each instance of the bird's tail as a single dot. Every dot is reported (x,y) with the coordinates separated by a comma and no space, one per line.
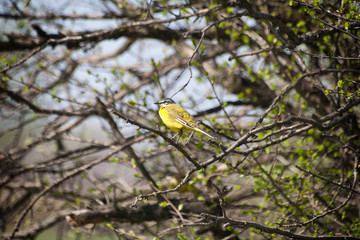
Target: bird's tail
(199,130)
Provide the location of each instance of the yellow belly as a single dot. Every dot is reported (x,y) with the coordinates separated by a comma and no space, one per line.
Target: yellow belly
(169,120)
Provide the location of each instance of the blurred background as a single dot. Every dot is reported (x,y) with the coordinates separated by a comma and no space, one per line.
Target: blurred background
(84,154)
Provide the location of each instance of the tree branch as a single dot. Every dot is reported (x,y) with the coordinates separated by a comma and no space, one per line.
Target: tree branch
(267,229)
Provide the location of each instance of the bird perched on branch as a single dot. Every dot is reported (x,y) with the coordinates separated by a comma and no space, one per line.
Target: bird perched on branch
(177,118)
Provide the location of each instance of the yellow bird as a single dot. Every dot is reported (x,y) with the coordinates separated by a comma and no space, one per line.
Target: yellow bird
(177,118)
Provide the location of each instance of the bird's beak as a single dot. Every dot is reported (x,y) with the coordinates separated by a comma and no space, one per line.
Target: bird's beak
(156,103)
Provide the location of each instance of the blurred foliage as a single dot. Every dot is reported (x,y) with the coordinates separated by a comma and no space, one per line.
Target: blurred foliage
(276,81)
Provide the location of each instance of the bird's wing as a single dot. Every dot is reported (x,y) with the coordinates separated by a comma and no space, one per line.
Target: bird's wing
(180,115)
(184,122)
(190,123)
(193,127)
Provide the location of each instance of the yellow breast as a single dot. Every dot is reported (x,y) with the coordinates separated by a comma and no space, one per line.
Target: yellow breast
(170,112)
(169,120)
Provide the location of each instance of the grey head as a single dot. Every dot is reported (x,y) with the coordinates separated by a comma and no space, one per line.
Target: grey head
(165,101)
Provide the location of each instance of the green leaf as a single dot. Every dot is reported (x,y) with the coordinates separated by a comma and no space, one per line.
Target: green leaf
(115,160)
(181,237)
(133,163)
(200,198)
(270,37)
(199,146)
(91,189)
(195,63)
(108,189)
(340,83)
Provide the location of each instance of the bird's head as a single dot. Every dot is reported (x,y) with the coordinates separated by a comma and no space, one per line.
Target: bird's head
(165,102)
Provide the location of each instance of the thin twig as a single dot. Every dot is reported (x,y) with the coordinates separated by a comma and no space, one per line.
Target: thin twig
(203,31)
(276,230)
(328,180)
(255,52)
(24,59)
(169,140)
(60,181)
